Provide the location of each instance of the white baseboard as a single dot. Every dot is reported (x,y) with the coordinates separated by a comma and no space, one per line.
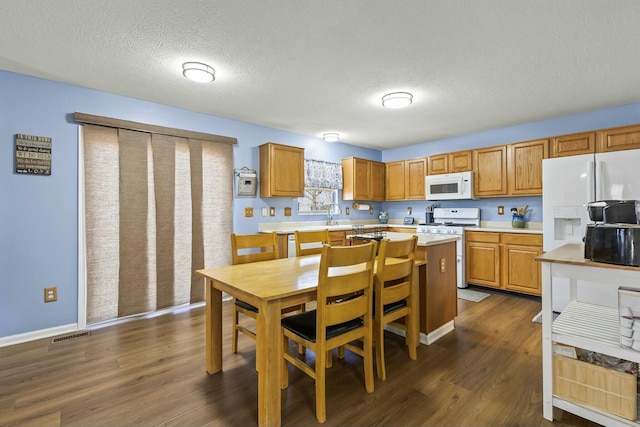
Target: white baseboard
(36,335)
(435,335)
(426,339)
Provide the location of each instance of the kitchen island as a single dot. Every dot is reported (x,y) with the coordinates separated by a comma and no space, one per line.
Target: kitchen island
(438,293)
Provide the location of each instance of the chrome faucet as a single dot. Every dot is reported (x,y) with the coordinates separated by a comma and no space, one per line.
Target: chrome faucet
(331,211)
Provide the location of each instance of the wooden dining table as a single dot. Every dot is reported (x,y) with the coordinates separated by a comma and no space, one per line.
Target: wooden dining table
(270,286)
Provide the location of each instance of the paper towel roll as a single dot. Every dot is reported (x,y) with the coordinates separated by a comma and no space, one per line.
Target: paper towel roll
(361,206)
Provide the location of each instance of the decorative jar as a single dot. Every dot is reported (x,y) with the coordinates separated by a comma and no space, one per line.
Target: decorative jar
(517,221)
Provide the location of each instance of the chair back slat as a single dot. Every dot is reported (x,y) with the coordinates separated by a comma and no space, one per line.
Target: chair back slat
(311,242)
(248,248)
(353,280)
(396,259)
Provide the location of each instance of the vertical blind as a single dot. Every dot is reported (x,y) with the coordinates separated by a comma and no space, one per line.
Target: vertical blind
(157,208)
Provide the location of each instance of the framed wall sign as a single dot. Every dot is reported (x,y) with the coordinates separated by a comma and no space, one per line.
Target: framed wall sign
(33,154)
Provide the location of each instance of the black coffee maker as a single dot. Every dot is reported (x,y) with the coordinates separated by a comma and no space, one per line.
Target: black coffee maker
(429,215)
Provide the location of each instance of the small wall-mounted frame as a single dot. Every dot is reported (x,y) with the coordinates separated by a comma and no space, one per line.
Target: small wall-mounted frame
(246,181)
(33,155)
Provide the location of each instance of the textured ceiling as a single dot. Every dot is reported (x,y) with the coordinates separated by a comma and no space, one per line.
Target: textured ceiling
(322,66)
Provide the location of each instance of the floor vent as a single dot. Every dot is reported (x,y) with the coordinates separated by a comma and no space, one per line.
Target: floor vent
(71,337)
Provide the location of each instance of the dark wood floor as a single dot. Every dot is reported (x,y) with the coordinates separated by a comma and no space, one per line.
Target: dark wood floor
(150,372)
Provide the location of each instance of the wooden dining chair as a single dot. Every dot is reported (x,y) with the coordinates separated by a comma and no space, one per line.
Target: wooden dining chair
(344,271)
(306,238)
(245,249)
(392,293)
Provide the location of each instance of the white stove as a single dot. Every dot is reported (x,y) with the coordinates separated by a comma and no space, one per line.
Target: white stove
(453,221)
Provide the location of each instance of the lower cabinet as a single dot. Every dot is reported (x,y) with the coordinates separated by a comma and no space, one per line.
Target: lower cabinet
(338,238)
(504,261)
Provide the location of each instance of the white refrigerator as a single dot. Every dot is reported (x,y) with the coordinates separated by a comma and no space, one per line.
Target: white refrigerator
(569,183)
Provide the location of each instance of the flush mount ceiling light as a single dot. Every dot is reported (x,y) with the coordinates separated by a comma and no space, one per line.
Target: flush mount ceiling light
(331,137)
(397,100)
(198,72)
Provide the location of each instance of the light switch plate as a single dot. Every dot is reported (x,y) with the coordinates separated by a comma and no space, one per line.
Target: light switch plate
(264,211)
(272,211)
(248,212)
(287,211)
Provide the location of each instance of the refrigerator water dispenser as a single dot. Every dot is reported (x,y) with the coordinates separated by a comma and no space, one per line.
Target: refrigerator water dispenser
(568,223)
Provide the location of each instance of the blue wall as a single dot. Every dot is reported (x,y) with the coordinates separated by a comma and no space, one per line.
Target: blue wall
(38,214)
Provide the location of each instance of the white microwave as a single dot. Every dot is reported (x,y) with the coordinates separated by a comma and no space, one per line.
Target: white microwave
(450,186)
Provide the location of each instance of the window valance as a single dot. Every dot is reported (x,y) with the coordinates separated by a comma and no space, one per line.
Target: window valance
(321,174)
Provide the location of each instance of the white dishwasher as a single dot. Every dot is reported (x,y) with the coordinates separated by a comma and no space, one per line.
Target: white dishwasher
(291,245)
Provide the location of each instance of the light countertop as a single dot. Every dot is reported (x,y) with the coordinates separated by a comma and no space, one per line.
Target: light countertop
(489,226)
(423,239)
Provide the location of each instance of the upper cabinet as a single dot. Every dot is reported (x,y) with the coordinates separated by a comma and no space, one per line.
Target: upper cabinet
(623,138)
(509,170)
(574,144)
(394,180)
(377,181)
(362,179)
(438,164)
(404,179)
(524,167)
(460,161)
(415,171)
(281,171)
(490,171)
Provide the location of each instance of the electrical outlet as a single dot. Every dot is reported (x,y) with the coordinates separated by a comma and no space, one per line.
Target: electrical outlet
(442,265)
(500,210)
(272,211)
(264,211)
(248,212)
(51,294)
(409,210)
(287,211)
(346,211)
(370,211)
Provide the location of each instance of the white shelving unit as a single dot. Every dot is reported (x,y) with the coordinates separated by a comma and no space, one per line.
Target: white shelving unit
(585,325)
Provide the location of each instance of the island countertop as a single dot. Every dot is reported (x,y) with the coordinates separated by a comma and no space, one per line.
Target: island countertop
(423,239)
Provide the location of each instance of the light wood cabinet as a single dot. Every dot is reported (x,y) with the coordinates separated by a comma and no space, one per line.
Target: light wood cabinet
(504,261)
(281,171)
(338,238)
(362,179)
(377,181)
(490,171)
(415,171)
(438,164)
(404,179)
(521,272)
(573,145)
(524,166)
(616,139)
(394,180)
(459,161)
(482,258)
